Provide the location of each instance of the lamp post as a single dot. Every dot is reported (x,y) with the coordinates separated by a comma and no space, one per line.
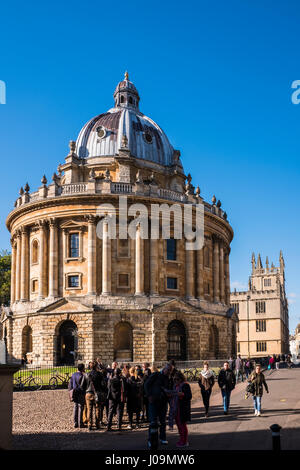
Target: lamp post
(248,298)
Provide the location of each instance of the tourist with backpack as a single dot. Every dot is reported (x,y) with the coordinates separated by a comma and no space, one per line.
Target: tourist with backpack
(96,393)
(258,381)
(77,387)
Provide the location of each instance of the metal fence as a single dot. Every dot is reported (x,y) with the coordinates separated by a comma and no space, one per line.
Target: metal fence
(31,377)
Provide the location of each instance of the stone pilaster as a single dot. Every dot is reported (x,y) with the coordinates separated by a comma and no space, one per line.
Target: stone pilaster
(154,267)
(42,261)
(53,258)
(91,255)
(222,274)
(24,264)
(189,274)
(18,266)
(200,269)
(227,278)
(139,264)
(106,261)
(216,266)
(13,272)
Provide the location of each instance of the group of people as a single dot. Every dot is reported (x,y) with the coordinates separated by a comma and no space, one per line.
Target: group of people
(147,393)
(274,361)
(227,379)
(150,395)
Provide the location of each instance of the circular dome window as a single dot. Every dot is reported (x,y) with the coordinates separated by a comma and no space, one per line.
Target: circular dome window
(101,132)
(148,137)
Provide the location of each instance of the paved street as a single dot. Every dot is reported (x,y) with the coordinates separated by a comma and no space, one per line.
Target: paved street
(240,430)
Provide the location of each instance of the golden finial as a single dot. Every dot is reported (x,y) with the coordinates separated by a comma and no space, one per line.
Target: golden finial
(126,75)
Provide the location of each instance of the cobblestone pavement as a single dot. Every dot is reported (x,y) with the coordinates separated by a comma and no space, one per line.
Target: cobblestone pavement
(43,420)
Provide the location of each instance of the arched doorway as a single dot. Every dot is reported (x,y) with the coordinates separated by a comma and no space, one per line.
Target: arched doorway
(214,341)
(67,343)
(176,341)
(26,340)
(123,342)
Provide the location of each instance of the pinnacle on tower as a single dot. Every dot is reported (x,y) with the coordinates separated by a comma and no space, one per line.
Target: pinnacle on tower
(253,262)
(259,263)
(267,263)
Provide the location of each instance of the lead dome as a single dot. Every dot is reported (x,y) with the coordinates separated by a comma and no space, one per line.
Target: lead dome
(102,135)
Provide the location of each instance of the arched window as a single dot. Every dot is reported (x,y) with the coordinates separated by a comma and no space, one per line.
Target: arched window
(122,99)
(214,341)
(130,100)
(123,342)
(26,340)
(67,343)
(206,257)
(35,252)
(176,341)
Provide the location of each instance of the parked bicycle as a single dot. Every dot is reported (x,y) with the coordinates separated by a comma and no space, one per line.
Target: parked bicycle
(59,380)
(30,382)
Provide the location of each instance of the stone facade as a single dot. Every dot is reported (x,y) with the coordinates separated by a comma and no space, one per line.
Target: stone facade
(263,326)
(78,293)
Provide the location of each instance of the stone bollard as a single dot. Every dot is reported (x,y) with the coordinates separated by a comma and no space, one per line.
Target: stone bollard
(275,428)
(6,400)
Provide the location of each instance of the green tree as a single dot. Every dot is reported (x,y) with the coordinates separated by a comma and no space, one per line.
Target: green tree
(5,269)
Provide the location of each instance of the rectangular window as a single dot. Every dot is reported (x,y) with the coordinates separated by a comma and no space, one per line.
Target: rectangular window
(34,285)
(236,307)
(206,288)
(171,249)
(260,325)
(123,280)
(123,248)
(261,346)
(74,245)
(267,282)
(171,282)
(73,281)
(238,348)
(260,307)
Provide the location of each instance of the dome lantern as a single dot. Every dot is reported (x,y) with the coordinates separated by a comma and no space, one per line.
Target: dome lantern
(126,95)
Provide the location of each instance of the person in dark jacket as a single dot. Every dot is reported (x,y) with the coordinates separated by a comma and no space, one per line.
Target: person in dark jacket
(206,383)
(134,396)
(158,400)
(96,388)
(226,381)
(146,374)
(77,387)
(117,389)
(180,407)
(257,378)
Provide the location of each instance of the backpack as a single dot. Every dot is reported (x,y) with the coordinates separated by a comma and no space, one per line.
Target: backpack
(250,388)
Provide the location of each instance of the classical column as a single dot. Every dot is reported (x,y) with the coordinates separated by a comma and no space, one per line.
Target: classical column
(222,274)
(139,264)
(42,261)
(153,266)
(227,278)
(53,258)
(13,272)
(189,274)
(200,269)
(91,255)
(24,264)
(216,270)
(106,261)
(18,266)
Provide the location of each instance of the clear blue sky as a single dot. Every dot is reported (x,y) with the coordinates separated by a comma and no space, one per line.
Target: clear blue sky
(215,75)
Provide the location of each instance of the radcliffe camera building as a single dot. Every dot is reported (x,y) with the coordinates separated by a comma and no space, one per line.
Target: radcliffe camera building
(263,326)
(76,295)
